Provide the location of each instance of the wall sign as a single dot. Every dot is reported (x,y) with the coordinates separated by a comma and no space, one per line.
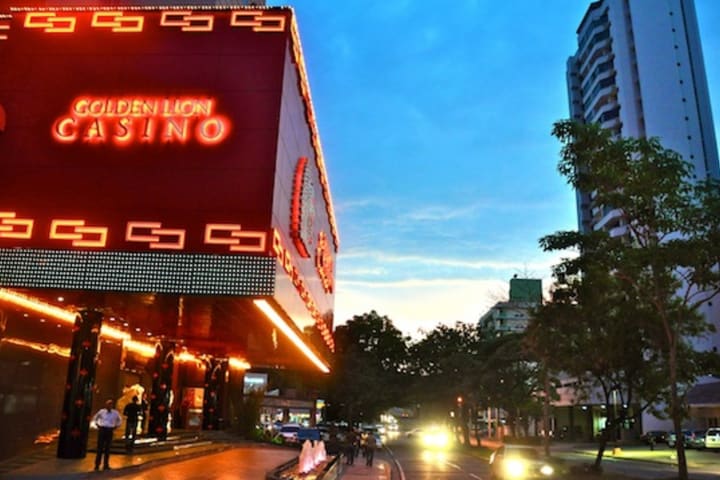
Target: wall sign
(139,119)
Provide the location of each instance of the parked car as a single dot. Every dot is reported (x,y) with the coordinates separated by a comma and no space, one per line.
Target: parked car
(289,432)
(312,434)
(672,438)
(697,440)
(712,438)
(511,462)
(654,436)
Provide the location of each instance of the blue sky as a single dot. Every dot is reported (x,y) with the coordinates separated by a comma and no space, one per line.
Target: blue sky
(435,120)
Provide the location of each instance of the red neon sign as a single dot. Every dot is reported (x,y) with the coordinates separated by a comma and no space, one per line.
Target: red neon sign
(50,22)
(151,233)
(286,260)
(78,233)
(139,119)
(117,21)
(11,227)
(302,213)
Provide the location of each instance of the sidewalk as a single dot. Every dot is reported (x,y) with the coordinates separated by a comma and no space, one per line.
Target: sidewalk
(381,470)
(44,464)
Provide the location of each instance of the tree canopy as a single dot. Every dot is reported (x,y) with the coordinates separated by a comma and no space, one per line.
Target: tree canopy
(638,291)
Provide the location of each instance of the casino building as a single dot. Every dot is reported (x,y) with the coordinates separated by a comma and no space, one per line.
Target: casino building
(166,221)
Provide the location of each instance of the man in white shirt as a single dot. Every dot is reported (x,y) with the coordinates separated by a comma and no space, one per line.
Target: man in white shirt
(107,420)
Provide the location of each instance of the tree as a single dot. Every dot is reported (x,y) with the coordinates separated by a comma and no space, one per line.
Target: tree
(592,332)
(367,375)
(666,261)
(444,367)
(467,367)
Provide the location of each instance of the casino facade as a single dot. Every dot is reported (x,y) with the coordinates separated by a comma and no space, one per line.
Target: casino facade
(166,221)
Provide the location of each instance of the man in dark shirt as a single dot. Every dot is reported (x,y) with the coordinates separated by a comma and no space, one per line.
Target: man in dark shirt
(131,412)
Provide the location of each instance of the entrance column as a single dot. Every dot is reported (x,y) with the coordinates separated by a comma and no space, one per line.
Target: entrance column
(161,395)
(75,420)
(214,394)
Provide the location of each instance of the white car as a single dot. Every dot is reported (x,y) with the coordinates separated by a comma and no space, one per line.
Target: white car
(515,462)
(712,438)
(289,432)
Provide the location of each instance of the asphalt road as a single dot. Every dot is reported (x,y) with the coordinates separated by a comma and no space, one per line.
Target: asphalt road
(456,464)
(418,463)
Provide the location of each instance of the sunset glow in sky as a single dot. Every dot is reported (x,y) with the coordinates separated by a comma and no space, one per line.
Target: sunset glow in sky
(435,120)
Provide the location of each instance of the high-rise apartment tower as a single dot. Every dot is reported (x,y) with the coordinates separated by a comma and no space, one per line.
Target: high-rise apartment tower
(639,72)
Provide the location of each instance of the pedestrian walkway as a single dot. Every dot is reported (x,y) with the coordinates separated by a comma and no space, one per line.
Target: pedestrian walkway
(381,470)
(45,465)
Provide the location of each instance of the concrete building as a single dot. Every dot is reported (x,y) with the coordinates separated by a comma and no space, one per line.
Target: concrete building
(639,72)
(513,316)
(204,266)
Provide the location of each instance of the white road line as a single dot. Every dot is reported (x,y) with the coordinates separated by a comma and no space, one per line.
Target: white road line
(475,476)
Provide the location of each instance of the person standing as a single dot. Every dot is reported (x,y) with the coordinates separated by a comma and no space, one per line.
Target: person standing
(132,413)
(370,445)
(107,420)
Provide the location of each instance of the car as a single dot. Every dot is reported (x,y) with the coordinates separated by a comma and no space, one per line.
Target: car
(712,438)
(312,434)
(672,438)
(435,438)
(289,432)
(654,437)
(697,440)
(516,462)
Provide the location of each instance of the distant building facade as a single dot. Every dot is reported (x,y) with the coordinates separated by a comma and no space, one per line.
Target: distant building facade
(513,316)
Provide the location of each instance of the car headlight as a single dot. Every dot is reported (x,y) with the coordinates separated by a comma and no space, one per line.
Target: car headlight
(436,440)
(515,468)
(547,470)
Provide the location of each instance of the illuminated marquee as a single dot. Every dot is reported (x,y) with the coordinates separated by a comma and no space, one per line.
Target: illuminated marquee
(121,21)
(285,258)
(78,234)
(302,209)
(145,120)
(324,263)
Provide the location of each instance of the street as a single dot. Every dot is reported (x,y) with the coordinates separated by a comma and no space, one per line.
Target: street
(635,462)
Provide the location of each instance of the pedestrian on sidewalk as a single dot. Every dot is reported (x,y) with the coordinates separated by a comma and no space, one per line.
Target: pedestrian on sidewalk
(370,445)
(107,420)
(132,413)
(349,447)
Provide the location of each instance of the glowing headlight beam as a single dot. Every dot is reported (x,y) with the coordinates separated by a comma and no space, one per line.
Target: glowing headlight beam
(272,315)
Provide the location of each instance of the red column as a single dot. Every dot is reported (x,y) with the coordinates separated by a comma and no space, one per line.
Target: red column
(161,393)
(212,398)
(77,404)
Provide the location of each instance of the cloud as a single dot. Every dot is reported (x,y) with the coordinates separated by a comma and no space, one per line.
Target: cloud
(465,263)
(418,305)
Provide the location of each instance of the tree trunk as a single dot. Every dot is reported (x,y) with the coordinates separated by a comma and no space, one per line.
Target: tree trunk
(601,451)
(546,415)
(676,414)
(464,425)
